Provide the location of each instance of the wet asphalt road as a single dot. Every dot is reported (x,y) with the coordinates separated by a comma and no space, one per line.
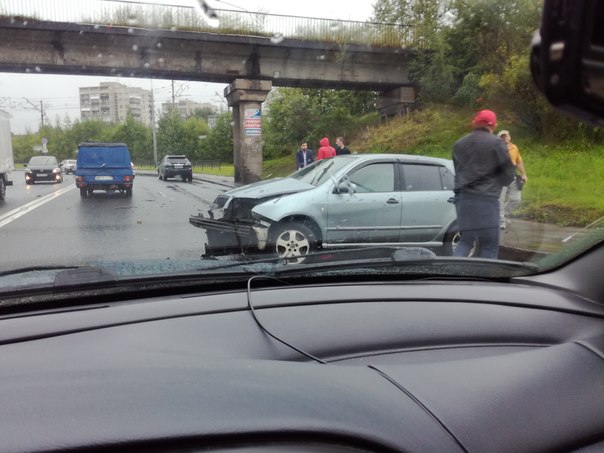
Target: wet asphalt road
(49,224)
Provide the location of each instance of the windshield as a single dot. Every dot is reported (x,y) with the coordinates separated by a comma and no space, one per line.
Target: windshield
(319,172)
(43,160)
(307,127)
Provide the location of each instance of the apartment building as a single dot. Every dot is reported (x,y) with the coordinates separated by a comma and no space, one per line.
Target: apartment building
(186,108)
(111,102)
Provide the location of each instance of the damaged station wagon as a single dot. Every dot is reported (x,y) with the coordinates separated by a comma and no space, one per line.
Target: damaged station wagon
(346,201)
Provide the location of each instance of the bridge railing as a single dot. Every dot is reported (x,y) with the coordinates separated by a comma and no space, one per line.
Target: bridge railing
(178,17)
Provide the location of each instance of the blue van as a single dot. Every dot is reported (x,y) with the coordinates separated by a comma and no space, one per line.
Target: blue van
(104,166)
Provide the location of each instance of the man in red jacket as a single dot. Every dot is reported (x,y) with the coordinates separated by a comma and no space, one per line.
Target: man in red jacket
(325,150)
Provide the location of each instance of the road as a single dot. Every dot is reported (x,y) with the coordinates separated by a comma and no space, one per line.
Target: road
(49,224)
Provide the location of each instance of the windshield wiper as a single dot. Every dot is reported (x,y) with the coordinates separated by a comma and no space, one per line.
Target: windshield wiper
(406,261)
(322,174)
(24,270)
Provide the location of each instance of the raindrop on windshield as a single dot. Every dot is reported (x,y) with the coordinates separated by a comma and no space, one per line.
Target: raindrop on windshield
(131,20)
(333,26)
(25,23)
(159,45)
(173,28)
(38,69)
(27,70)
(97,26)
(100,55)
(277,38)
(147,65)
(276,74)
(321,57)
(161,60)
(135,47)
(207,13)
(130,30)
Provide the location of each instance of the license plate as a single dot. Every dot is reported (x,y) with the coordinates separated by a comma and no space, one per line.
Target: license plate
(178,165)
(103,178)
(42,174)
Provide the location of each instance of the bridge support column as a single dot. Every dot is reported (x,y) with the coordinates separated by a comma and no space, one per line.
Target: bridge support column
(246,97)
(395,102)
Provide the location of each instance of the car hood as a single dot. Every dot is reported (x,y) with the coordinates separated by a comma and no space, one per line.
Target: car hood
(270,187)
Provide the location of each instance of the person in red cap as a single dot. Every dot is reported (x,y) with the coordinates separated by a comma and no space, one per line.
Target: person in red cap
(482,168)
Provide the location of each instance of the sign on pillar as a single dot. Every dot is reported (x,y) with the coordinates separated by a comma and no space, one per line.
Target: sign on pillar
(252,123)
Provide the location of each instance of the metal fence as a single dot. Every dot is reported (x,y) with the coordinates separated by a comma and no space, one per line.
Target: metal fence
(143,14)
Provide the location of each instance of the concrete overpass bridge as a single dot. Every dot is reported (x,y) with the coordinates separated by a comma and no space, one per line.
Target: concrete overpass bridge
(250,64)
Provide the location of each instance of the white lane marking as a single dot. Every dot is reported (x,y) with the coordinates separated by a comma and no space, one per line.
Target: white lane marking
(162,194)
(7,218)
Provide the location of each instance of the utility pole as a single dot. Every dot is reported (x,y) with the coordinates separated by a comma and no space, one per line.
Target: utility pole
(173,99)
(40,109)
(154,132)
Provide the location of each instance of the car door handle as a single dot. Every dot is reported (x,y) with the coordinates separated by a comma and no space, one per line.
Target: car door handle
(392,201)
(451,200)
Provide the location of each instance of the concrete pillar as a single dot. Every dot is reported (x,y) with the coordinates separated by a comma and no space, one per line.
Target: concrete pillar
(395,102)
(246,97)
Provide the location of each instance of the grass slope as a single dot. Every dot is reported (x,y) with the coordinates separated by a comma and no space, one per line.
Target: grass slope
(565,178)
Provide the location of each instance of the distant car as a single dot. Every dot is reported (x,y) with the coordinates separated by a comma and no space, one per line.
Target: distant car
(43,168)
(175,165)
(68,166)
(345,201)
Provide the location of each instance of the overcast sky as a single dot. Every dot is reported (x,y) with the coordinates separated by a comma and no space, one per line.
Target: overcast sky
(21,94)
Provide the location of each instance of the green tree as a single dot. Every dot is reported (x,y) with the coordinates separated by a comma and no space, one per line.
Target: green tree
(137,136)
(296,115)
(218,143)
(169,133)
(195,130)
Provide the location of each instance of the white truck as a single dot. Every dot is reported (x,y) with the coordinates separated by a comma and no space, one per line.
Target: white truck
(7,163)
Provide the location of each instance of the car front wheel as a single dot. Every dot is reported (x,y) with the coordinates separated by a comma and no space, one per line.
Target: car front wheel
(293,241)
(451,241)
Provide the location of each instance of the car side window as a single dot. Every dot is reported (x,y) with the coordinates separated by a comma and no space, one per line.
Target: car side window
(374,178)
(418,177)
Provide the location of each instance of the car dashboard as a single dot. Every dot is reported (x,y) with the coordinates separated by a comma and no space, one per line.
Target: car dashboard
(426,365)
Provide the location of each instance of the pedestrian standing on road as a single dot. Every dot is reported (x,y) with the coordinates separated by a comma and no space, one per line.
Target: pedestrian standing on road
(511,194)
(326,150)
(304,156)
(482,168)
(341,147)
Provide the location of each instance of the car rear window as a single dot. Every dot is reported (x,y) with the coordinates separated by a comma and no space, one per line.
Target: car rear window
(104,157)
(178,160)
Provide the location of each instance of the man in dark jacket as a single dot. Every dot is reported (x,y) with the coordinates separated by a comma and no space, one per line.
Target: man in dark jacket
(341,148)
(482,168)
(304,156)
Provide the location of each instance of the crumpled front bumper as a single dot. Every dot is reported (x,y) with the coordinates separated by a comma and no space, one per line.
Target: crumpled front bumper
(227,237)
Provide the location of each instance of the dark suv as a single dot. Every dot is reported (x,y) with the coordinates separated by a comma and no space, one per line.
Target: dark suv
(175,165)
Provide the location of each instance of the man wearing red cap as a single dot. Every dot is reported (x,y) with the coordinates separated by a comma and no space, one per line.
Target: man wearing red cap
(482,168)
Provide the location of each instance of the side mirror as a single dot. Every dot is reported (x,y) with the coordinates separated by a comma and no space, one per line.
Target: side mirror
(567,57)
(345,186)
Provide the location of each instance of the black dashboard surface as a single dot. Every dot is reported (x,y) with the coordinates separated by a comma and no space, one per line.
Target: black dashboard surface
(443,366)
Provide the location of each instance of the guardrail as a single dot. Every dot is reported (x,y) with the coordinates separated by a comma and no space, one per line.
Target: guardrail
(197,164)
(144,14)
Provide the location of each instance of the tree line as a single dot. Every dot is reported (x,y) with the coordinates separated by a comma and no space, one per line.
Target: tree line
(191,136)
